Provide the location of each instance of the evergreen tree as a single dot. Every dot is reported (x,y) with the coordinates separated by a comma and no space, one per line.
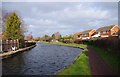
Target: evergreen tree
(13,27)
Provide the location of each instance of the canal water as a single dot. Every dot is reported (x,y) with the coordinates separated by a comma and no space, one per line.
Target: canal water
(44,59)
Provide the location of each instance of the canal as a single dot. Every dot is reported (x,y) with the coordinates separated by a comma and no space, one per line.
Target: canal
(44,59)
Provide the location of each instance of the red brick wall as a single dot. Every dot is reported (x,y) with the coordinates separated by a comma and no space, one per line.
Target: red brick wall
(91,33)
(110,32)
(116,29)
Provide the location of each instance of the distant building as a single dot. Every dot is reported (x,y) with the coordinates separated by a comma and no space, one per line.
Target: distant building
(107,31)
(84,35)
(87,34)
(76,36)
(28,37)
(46,38)
(55,37)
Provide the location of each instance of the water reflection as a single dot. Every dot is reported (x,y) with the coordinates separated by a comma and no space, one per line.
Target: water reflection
(44,59)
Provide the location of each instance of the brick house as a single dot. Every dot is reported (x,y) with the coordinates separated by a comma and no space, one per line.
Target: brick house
(87,34)
(107,31)
(77,36)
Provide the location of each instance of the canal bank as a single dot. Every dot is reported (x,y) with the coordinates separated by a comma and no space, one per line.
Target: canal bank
(81,46)
(80,65)
(10,53)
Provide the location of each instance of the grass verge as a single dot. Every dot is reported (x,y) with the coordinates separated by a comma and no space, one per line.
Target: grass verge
(67,44)
(80,67)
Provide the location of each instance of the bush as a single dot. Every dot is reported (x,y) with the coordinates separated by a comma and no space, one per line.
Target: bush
(111,44)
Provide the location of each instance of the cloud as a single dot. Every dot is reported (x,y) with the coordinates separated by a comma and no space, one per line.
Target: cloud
(65,17)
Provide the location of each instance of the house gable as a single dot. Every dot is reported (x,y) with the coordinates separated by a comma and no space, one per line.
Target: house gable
(108,30)
(77,35)
(87,34)
(114,30)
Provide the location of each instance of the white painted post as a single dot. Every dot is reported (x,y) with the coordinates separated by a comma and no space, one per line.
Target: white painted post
(1,45)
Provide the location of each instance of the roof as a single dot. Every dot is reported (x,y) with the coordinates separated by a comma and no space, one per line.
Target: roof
(106,28)
(86,31)
(78,33)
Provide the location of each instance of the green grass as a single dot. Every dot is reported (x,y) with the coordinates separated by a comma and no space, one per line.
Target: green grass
(109,57)
(80,67)
(67,44)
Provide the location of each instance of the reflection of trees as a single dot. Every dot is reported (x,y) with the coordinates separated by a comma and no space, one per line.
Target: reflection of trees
(13,64)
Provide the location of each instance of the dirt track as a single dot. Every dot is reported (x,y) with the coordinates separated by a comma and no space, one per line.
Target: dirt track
(98,65)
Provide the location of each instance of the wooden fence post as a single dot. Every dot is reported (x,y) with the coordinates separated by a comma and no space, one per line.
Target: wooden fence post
(7,45)
(17,43)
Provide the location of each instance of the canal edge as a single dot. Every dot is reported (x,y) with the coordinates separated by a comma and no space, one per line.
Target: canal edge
(10,53)
(72,62)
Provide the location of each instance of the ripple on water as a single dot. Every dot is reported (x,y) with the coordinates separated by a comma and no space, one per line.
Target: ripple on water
(44,59)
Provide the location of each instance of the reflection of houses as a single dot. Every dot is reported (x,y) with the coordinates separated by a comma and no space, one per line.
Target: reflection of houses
(108,31)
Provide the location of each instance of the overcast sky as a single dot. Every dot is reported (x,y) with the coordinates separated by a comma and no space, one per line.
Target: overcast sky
(64,17)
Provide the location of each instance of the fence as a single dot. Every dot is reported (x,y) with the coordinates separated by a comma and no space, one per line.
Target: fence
(8,44)
(27,44)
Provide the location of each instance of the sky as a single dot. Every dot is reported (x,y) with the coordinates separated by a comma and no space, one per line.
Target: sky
(64,17)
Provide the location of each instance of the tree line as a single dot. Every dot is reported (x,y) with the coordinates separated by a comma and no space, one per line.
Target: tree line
(56,37)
